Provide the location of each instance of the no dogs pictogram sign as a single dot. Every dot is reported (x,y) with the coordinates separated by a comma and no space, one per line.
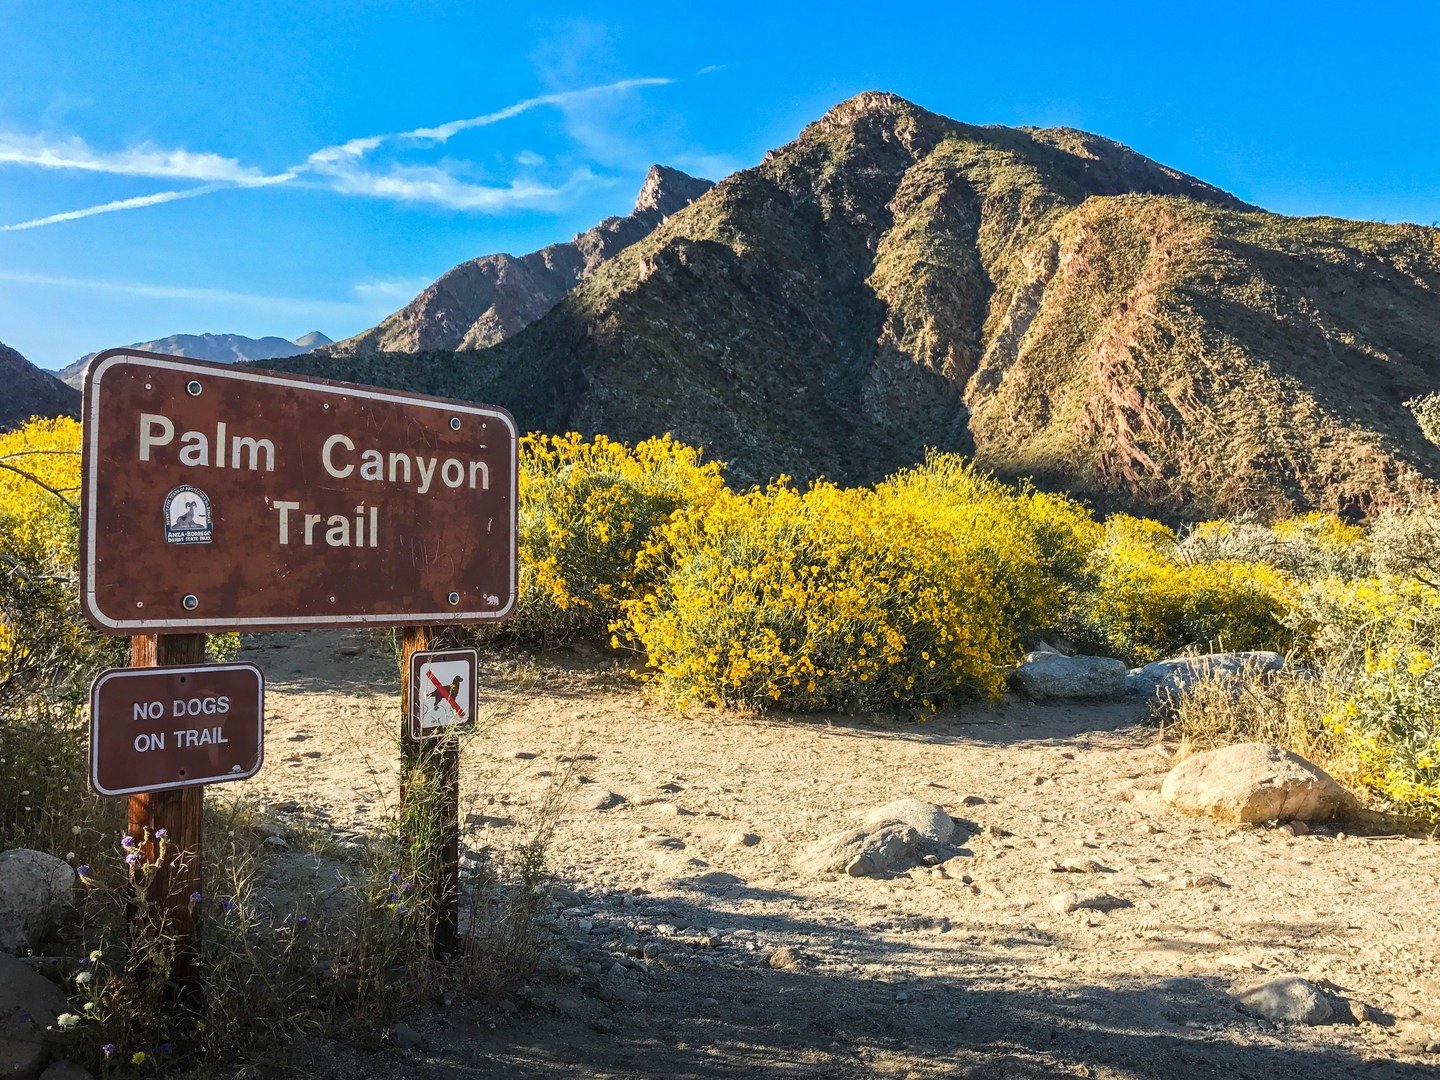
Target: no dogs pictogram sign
(442,691)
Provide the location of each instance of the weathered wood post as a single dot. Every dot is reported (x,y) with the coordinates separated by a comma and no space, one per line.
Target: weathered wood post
(180,812)
(433,766)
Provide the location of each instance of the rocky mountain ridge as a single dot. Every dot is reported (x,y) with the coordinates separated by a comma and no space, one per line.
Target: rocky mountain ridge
(486,300)
(29,391)
(1046,300)
(221,348)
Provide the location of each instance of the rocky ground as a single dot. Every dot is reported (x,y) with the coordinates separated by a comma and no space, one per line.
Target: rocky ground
(684,940)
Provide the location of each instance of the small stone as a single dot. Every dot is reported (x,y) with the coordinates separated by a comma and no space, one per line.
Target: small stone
(65,1070)
(604,1025)
(276,843)
(1078,865)
(903,997)
(523,755)
(973,800)
(785,959)
(1086,900)
(406,1037)
(1360,1012)
(742,839)
(289,806)
(595,797)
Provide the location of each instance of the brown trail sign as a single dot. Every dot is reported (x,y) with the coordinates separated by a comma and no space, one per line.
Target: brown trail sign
(236,499)
(217,498)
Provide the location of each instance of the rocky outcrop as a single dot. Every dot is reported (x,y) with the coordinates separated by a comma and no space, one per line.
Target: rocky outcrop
(1254,782)
(486,300)
(28,392)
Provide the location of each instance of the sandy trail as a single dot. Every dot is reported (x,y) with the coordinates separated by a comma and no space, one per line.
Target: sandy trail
(957,970)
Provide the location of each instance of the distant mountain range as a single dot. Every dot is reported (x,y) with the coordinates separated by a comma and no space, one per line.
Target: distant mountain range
(31,392)
(1046,300)
(221,348)
(484,301)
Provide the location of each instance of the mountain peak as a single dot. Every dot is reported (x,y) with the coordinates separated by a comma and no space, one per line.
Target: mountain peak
(668,191)
(869,104)
(313,340)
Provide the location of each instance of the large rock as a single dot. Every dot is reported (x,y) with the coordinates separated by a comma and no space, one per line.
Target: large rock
(29,1003)
(1049,676)
(1171,677)
(1252,782)
(861,852)
(1286,1000)
(885,838)
(36,890)
(933,824)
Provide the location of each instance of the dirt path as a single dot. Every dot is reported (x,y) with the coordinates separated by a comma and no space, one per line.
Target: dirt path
(674,899)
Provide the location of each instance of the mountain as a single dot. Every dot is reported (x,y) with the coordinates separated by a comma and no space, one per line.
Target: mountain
(486,300)
(1049,301)
(313,340)
(222,348)
(31,392)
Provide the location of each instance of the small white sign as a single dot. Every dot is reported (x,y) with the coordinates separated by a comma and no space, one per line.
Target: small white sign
(442,691)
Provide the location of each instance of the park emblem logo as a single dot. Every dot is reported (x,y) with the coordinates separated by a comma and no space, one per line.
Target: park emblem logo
(187,516)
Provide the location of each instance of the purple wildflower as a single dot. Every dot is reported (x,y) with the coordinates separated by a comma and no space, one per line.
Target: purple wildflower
(392,877)
(227,906)
(109,1049)
(85,961)
(160,834)
(407,888)
(127,841)
(391,898)
(303,921)
(197,898)
(83,870)
(132,858)
(400,910)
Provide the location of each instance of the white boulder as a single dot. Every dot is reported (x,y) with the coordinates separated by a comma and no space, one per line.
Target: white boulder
(1172,677)
(1252,782)
(1049,676)
(36,891)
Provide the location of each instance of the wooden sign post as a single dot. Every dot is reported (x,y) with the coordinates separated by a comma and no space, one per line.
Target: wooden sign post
(180,812)
(221,498)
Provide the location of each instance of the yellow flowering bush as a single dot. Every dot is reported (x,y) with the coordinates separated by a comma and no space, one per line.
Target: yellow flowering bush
(586,509)
(43,640)
(1147,605)
(1388,719)
(852,599)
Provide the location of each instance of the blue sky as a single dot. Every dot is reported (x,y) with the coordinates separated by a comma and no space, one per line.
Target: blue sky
(271,168)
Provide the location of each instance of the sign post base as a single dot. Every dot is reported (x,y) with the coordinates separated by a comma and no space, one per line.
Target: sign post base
(162,906)
(430,806)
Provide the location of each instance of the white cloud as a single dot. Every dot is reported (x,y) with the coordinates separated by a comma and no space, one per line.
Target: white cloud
(529,159)
(424,184)
(110,207)
(145,160)
(337,167)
